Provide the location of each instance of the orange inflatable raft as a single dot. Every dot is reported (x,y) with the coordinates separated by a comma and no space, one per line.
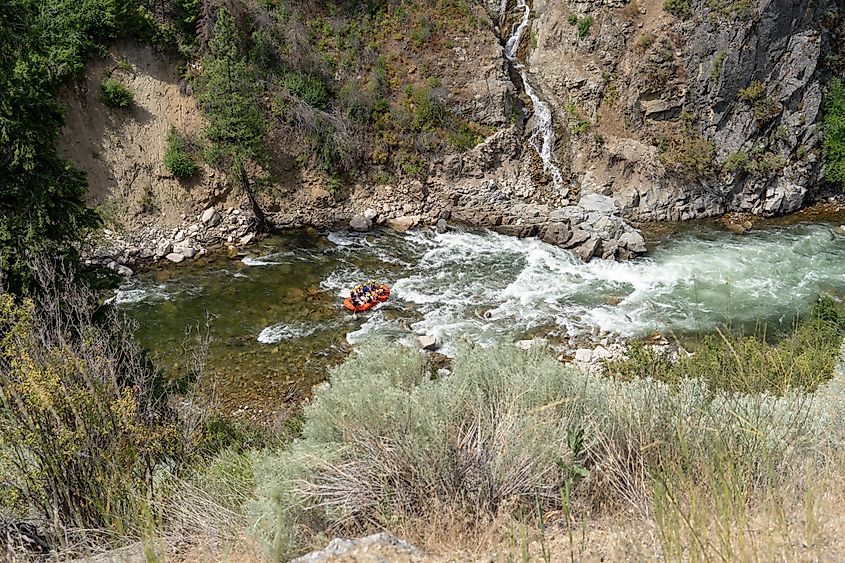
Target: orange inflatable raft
(382,297)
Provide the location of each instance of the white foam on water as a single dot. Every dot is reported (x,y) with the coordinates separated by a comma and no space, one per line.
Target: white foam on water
(282,331)
(138,295)
(273,259)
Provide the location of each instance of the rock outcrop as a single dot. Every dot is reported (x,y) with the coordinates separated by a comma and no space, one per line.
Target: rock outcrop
(683,118)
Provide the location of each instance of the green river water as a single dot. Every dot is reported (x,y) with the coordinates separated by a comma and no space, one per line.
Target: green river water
(277,322)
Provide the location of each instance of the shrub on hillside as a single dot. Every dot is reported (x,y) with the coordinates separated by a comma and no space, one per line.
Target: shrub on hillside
(678,8)
(510,432)
(84,415)
(686,151)
(115,94)
(177,159)
(834,134)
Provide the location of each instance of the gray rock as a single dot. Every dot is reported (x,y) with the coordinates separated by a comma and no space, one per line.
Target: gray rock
(583,355)
(370,213)
(599,203)
(377,547)
(556,233)
(146,253)
(210,217)
(578,236)
(442,226)
(428,342)
(175,257)
(124,271)
(163,248)
(588,248)
(360,224)
(185,250)
(633,241)
(246,239)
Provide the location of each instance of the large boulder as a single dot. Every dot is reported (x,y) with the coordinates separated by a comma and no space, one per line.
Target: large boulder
(555,233)
(360,224)
(163,248)
(403,223)
(210,217)
(588,248)
(633,241)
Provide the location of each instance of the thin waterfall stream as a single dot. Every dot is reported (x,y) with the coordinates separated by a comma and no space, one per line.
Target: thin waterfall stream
(542,134)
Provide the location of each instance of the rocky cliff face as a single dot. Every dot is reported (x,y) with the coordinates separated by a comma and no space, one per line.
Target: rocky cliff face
(686,117)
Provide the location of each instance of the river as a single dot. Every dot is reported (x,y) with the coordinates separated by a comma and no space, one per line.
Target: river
(277,322)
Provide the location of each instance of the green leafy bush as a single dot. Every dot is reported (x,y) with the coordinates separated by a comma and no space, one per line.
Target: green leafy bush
(115,94)
(310,89)
(833,127)
(678,8)
(177,159)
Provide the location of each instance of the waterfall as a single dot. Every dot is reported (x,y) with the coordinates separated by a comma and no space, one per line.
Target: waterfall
(542,135)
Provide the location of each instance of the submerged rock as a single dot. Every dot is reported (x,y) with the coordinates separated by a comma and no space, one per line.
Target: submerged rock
(175,257)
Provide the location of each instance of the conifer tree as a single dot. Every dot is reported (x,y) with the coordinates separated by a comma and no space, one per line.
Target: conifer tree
(230,97)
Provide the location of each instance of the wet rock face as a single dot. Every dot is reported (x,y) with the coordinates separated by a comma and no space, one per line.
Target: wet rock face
(747,79)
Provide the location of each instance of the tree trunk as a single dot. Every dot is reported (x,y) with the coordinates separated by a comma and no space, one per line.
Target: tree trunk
(262,225)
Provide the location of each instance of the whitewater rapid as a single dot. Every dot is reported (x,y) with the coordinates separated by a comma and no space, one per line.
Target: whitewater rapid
(481,287)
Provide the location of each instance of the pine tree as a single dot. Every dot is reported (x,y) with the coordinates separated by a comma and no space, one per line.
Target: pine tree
(230,97)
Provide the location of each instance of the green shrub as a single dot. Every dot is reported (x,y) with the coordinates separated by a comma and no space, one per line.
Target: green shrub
(645,41)
(804,358)
(833,127)
(115,94)
(177,160)
(678,8)
(310,89)
(572,19)
(736,162)
(85,417)
(581,126)
(754,96)
(583,26)
(464,138)
(730,10)
(752,92)
(718,65)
